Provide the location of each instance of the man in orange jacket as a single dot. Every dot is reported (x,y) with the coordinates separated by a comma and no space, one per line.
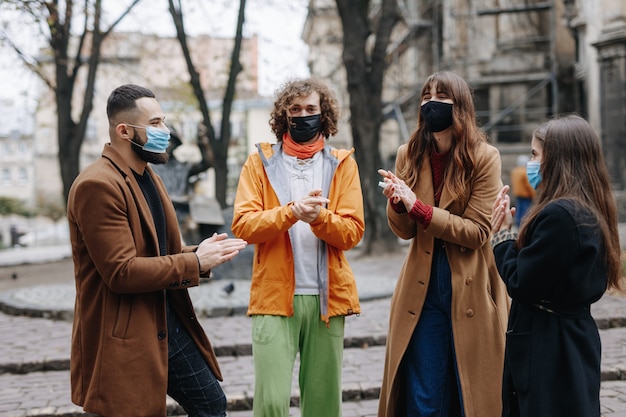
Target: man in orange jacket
(299,202)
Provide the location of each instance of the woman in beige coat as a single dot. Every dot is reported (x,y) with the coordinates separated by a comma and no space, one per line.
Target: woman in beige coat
(445,348)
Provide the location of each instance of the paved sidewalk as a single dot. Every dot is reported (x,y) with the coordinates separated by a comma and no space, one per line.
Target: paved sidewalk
(34,355)
(375,280)
(36,358)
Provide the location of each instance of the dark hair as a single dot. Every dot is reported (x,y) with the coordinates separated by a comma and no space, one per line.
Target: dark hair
(296,89)
(123,99)
(465,135)
(573,168)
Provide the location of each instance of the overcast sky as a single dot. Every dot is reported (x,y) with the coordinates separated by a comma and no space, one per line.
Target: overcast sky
(278,25)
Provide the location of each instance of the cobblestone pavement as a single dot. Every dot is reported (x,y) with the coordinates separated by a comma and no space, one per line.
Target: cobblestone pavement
(34,353)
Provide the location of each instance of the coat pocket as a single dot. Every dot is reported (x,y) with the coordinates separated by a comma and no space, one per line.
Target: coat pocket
(122,319)
(518,357)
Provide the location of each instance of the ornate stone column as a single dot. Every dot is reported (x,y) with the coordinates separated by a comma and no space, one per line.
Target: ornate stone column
(611,48)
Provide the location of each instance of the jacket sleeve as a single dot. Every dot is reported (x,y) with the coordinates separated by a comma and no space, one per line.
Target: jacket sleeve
(471,227)
(400,223)
(255,218)
(466,223)
(103,218)
(342,224)
(532,272)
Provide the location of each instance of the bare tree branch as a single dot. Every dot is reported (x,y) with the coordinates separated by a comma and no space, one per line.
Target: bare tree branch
(235,69)
(35,67)
(219,147)
(120,18)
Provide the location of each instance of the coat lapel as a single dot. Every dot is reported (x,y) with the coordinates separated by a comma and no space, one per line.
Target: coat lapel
(424,189)
(144,211)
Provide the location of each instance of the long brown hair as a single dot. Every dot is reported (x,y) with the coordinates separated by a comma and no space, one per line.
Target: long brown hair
(573,168)
(466,135)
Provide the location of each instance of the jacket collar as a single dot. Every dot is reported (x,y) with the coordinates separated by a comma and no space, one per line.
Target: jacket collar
(268,150)
(110,153)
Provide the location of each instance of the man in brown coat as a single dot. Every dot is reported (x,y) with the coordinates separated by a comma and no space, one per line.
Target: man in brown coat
(136,337)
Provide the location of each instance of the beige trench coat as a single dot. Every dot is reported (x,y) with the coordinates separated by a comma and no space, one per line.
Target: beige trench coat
(479,299)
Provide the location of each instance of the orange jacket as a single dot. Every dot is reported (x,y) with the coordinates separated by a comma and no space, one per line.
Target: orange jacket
(520,187)
(263,218)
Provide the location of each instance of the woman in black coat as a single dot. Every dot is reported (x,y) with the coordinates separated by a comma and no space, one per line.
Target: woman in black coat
(565,257)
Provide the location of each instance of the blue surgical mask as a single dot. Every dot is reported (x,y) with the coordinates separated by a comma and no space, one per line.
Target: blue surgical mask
(533,174)
(158,139)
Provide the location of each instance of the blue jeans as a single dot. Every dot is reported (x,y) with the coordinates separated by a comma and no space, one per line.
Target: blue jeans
(190,381)
(429,363)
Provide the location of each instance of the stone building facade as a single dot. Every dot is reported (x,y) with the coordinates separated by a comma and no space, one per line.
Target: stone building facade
(525,60)
(157,63)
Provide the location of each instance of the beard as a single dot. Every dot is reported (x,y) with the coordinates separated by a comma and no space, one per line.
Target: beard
(151,157)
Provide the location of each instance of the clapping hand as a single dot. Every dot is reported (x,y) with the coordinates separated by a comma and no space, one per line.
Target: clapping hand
(218,249)
(397,190)
(502,213)
(308,208)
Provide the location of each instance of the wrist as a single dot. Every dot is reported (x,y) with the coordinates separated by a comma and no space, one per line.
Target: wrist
(200,271)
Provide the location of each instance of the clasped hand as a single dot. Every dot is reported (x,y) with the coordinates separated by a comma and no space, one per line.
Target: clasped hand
(397,190)
(308,208)
(502,213)
(218,249)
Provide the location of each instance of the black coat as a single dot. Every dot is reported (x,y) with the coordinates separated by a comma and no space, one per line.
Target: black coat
(552,365)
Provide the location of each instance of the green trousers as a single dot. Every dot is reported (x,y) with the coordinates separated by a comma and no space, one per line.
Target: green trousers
(276,340)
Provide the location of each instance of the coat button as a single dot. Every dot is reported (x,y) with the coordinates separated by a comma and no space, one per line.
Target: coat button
(161,335)
(469,281)
(470,312)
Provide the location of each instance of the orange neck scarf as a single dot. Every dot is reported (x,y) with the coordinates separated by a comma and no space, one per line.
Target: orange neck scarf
(291,148)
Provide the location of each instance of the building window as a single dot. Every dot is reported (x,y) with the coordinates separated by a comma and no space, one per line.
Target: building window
(6,176)
(22,148)
(22,176)
(7,148)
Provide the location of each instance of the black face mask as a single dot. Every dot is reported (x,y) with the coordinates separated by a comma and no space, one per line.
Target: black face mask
(304,128)
(437,115)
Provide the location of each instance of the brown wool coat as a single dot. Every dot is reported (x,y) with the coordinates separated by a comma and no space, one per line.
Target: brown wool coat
(479,299)
(119,339)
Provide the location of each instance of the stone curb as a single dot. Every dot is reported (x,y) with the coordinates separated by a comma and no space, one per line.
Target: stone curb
(238,350)
(609,373)
(13,303)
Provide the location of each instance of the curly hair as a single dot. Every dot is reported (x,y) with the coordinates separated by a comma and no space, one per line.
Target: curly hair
(301,88)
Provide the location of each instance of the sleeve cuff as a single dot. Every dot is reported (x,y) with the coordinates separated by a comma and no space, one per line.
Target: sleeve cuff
(421,213)
(502,236)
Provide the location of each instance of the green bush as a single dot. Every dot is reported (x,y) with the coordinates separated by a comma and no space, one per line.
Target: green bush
(51,207)
(11,205)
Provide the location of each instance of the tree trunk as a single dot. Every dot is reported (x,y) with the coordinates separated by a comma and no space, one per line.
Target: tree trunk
(365,74)
(221,169)
(219,146)
(70,135)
